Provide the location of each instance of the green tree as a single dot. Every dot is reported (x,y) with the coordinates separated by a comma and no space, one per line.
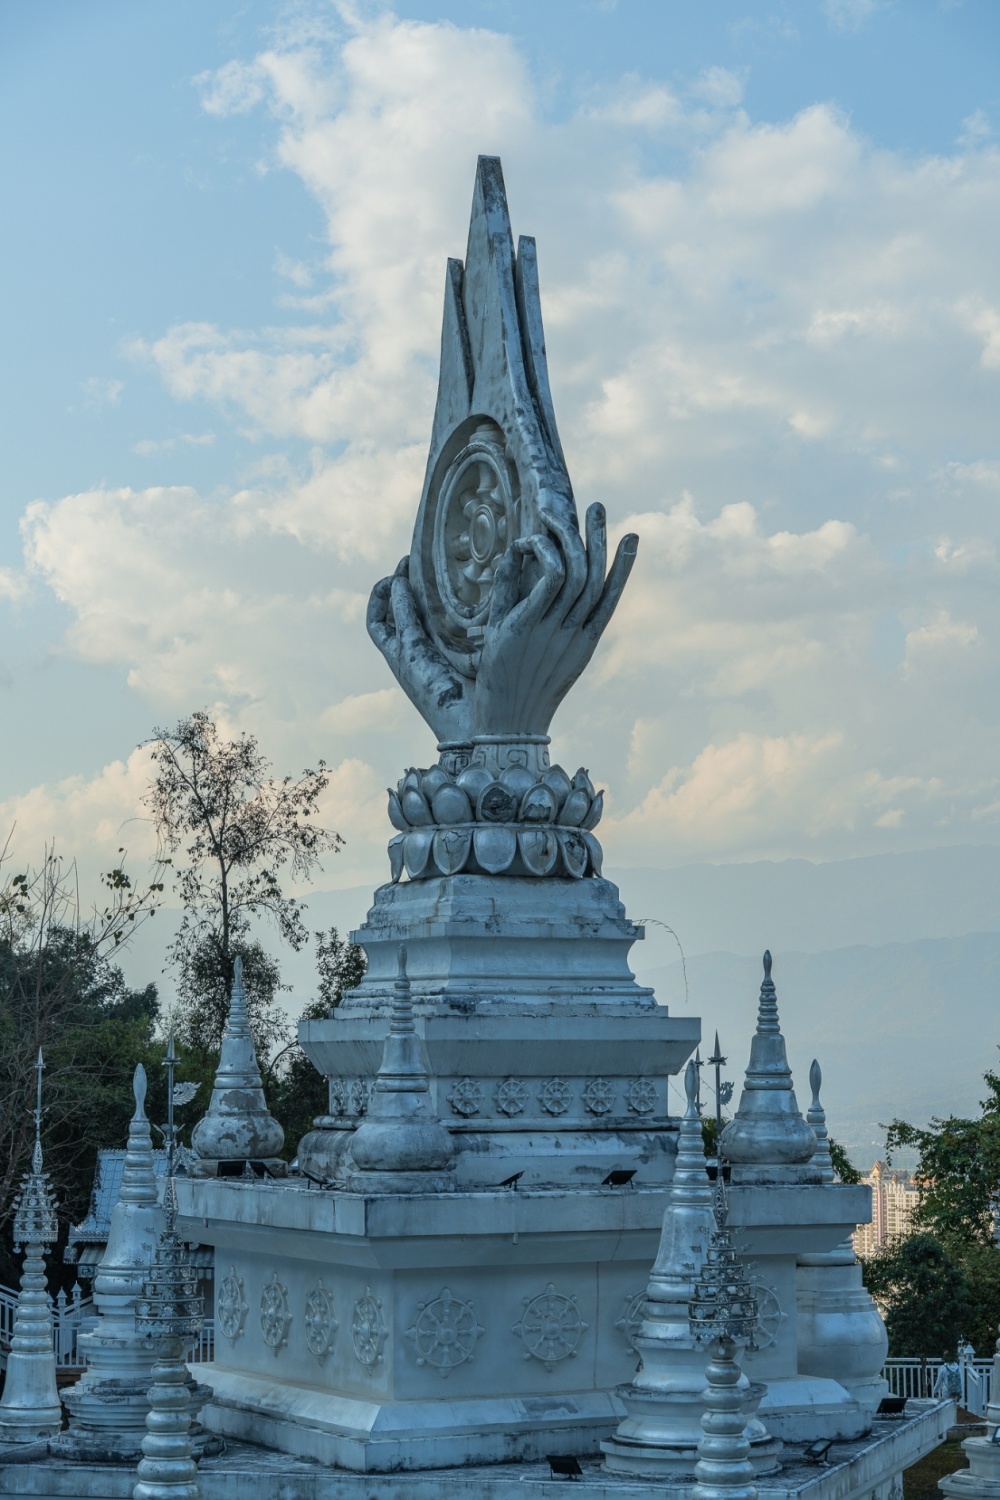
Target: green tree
(842,1165)
(233,833)
(297,1093)
(61,992)
(926,1297)
(958,1169)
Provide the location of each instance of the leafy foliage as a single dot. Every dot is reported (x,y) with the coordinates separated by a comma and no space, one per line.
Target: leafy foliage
(842,1165)
(60,991)
(958,1169)
(233,833)
(203,996)
(927,1296)
(297,1093)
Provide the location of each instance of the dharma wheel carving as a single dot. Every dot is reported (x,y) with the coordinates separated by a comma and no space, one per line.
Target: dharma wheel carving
(630,1321)
(555,1095)
(368,1330)
(511,1096)
(550,1327)
(444,1333)
(320,1324)
(231,1306)
(275,1314)
(599,1096)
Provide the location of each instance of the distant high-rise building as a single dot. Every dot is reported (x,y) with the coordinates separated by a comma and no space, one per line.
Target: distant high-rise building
(895,1196)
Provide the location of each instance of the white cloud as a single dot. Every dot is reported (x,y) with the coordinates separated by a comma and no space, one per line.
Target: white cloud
(850,15)
(775,355)
(99,392)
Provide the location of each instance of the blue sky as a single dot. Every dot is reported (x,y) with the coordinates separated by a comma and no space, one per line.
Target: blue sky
(767,239)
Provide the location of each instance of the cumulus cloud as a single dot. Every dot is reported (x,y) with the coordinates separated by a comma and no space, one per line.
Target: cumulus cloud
(775,351)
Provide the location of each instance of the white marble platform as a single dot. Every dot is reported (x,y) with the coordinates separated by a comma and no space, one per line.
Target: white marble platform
(857,1470)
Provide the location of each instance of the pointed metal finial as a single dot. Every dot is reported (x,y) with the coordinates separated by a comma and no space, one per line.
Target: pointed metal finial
(139,1091)
(36,1155)
(815,1082)
(401,1020)
(691,1087)
(767,1008)
(816,1117)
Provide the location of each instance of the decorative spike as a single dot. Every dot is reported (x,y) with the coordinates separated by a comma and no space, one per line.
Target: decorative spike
(816,1117)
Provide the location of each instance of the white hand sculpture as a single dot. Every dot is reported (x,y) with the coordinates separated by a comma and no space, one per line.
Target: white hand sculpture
(534,647)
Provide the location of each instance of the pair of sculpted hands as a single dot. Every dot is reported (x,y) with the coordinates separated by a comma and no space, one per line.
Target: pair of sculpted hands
(536,642)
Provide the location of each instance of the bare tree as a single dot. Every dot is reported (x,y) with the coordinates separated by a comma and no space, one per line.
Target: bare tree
(232,832)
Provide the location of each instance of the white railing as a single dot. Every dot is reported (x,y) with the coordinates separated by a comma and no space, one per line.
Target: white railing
(70,1316)
(204,1349)
(915,1378)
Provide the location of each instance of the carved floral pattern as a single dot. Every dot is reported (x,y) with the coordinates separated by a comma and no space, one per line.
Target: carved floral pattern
(232,1306)
(320,1324)
(275,1314)
(511,1096)
(359,1096)
(550,1327)
(630,1321)
(368,1330)
(466,1097)
(555,1095)
(444,1333)
(599,1096)
(338,1096)
(641,1096)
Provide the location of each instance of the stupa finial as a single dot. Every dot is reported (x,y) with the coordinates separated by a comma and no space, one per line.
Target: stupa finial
(401,1144)
(237,1127)
(816,1117)
(768,1140)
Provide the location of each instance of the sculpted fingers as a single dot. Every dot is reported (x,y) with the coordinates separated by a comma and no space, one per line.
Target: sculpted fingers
(380,625)
(617,579)
(574,557)
(545,590)
(506,585)
(597,561)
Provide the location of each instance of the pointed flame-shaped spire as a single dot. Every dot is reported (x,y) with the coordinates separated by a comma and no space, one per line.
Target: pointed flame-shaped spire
(768,1139)
(816,1117)
(237,1126)
(401,1139)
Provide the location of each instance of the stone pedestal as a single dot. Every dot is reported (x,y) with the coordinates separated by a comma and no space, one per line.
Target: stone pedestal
(981,1480)
(545,1055)
(413,1331)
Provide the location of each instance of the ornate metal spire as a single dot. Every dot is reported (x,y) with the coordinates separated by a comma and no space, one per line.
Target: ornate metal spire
(723,1310)
(30,1407)
(169,1314)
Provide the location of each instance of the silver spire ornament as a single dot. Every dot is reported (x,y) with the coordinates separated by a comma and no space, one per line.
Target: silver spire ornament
(29,1408)
(169,1314)
(723,1313)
